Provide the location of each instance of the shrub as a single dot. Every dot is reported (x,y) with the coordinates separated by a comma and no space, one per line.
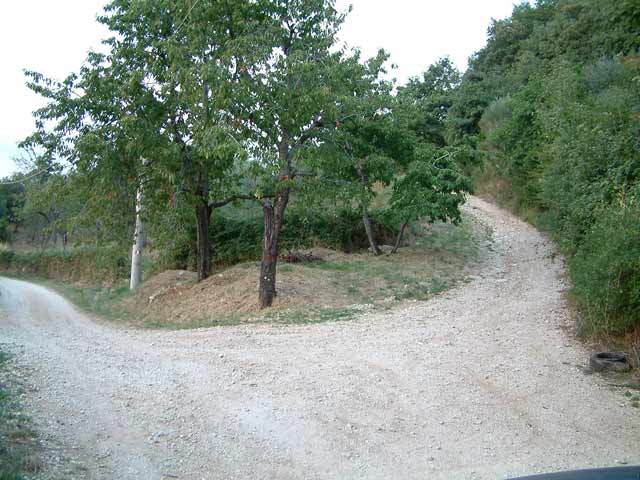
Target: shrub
(96,265)
(606,271)
(569,151)
(238,239)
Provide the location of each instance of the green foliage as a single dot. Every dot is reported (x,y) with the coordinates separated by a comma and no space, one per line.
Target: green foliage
(300,79)
(237,240)
(186,94)
(11,203)
(432,189)
(172,233)
(512,126)
(104,264)
(469,101)
(151,114)
(593,153)
(536,38)
(508,39)
(560,120)
(397,144)
(606,270)
(77,209)
(567,143)
(368,149)
(431,96)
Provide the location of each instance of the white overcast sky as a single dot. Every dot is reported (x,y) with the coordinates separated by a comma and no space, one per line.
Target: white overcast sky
(53,37)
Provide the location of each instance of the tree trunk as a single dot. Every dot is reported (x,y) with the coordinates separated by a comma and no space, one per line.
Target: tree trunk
(364,179)
(273,217)
(203,216)
(369,229)
(138,245)
(399,239)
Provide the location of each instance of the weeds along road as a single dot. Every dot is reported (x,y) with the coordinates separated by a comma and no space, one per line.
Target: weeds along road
(481,382)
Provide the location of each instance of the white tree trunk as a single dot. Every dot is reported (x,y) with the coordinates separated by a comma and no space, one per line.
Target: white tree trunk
(138,245)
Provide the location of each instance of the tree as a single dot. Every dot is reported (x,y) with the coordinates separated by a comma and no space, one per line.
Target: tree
(433,189)
(382,150)
(431,97)
(139,237)
(159,95)
(12,198)
(383,144)
(287,101)
(182,55)
(374,145)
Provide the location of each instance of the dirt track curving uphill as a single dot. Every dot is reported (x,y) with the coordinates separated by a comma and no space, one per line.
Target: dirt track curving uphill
(480,382)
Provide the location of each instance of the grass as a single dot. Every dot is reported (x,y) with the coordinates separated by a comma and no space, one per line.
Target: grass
(228,321)
(102,301)
(433,263)
(309,316)
(285,317)
(18,454)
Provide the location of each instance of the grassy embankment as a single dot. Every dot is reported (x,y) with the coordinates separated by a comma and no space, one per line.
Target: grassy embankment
(18,447)
(337,287)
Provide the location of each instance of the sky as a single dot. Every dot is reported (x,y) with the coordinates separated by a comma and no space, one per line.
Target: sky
(54,36)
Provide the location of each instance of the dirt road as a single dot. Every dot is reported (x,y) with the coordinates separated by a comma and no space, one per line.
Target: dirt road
(480,382)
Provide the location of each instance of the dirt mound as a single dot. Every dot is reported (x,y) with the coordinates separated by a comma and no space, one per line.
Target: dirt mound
(173,297)
(333,281)
(158,286)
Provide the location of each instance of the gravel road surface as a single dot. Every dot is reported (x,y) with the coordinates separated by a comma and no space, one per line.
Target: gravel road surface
(482,382)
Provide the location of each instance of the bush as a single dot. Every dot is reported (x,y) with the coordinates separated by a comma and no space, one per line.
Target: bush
(606,272)
(569,152)
(238,239)
(106,264)
(236,234)
(235,239)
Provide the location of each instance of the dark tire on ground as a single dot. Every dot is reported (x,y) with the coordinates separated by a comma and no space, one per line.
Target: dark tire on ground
(609,361)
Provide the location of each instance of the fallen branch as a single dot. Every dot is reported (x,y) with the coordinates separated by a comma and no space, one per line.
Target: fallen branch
(299,257)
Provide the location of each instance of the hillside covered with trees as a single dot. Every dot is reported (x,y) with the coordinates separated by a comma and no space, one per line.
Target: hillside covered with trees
(215,132)
(552,105)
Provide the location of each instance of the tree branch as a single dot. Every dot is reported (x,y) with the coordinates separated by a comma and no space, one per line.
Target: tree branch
(319,122)
(308,133)
(233,198)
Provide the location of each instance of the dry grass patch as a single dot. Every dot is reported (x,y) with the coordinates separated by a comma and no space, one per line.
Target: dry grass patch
(226,297)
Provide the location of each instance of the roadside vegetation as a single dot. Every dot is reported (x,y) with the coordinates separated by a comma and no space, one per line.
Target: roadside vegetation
(18,444)
(552,104)
(317,284)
